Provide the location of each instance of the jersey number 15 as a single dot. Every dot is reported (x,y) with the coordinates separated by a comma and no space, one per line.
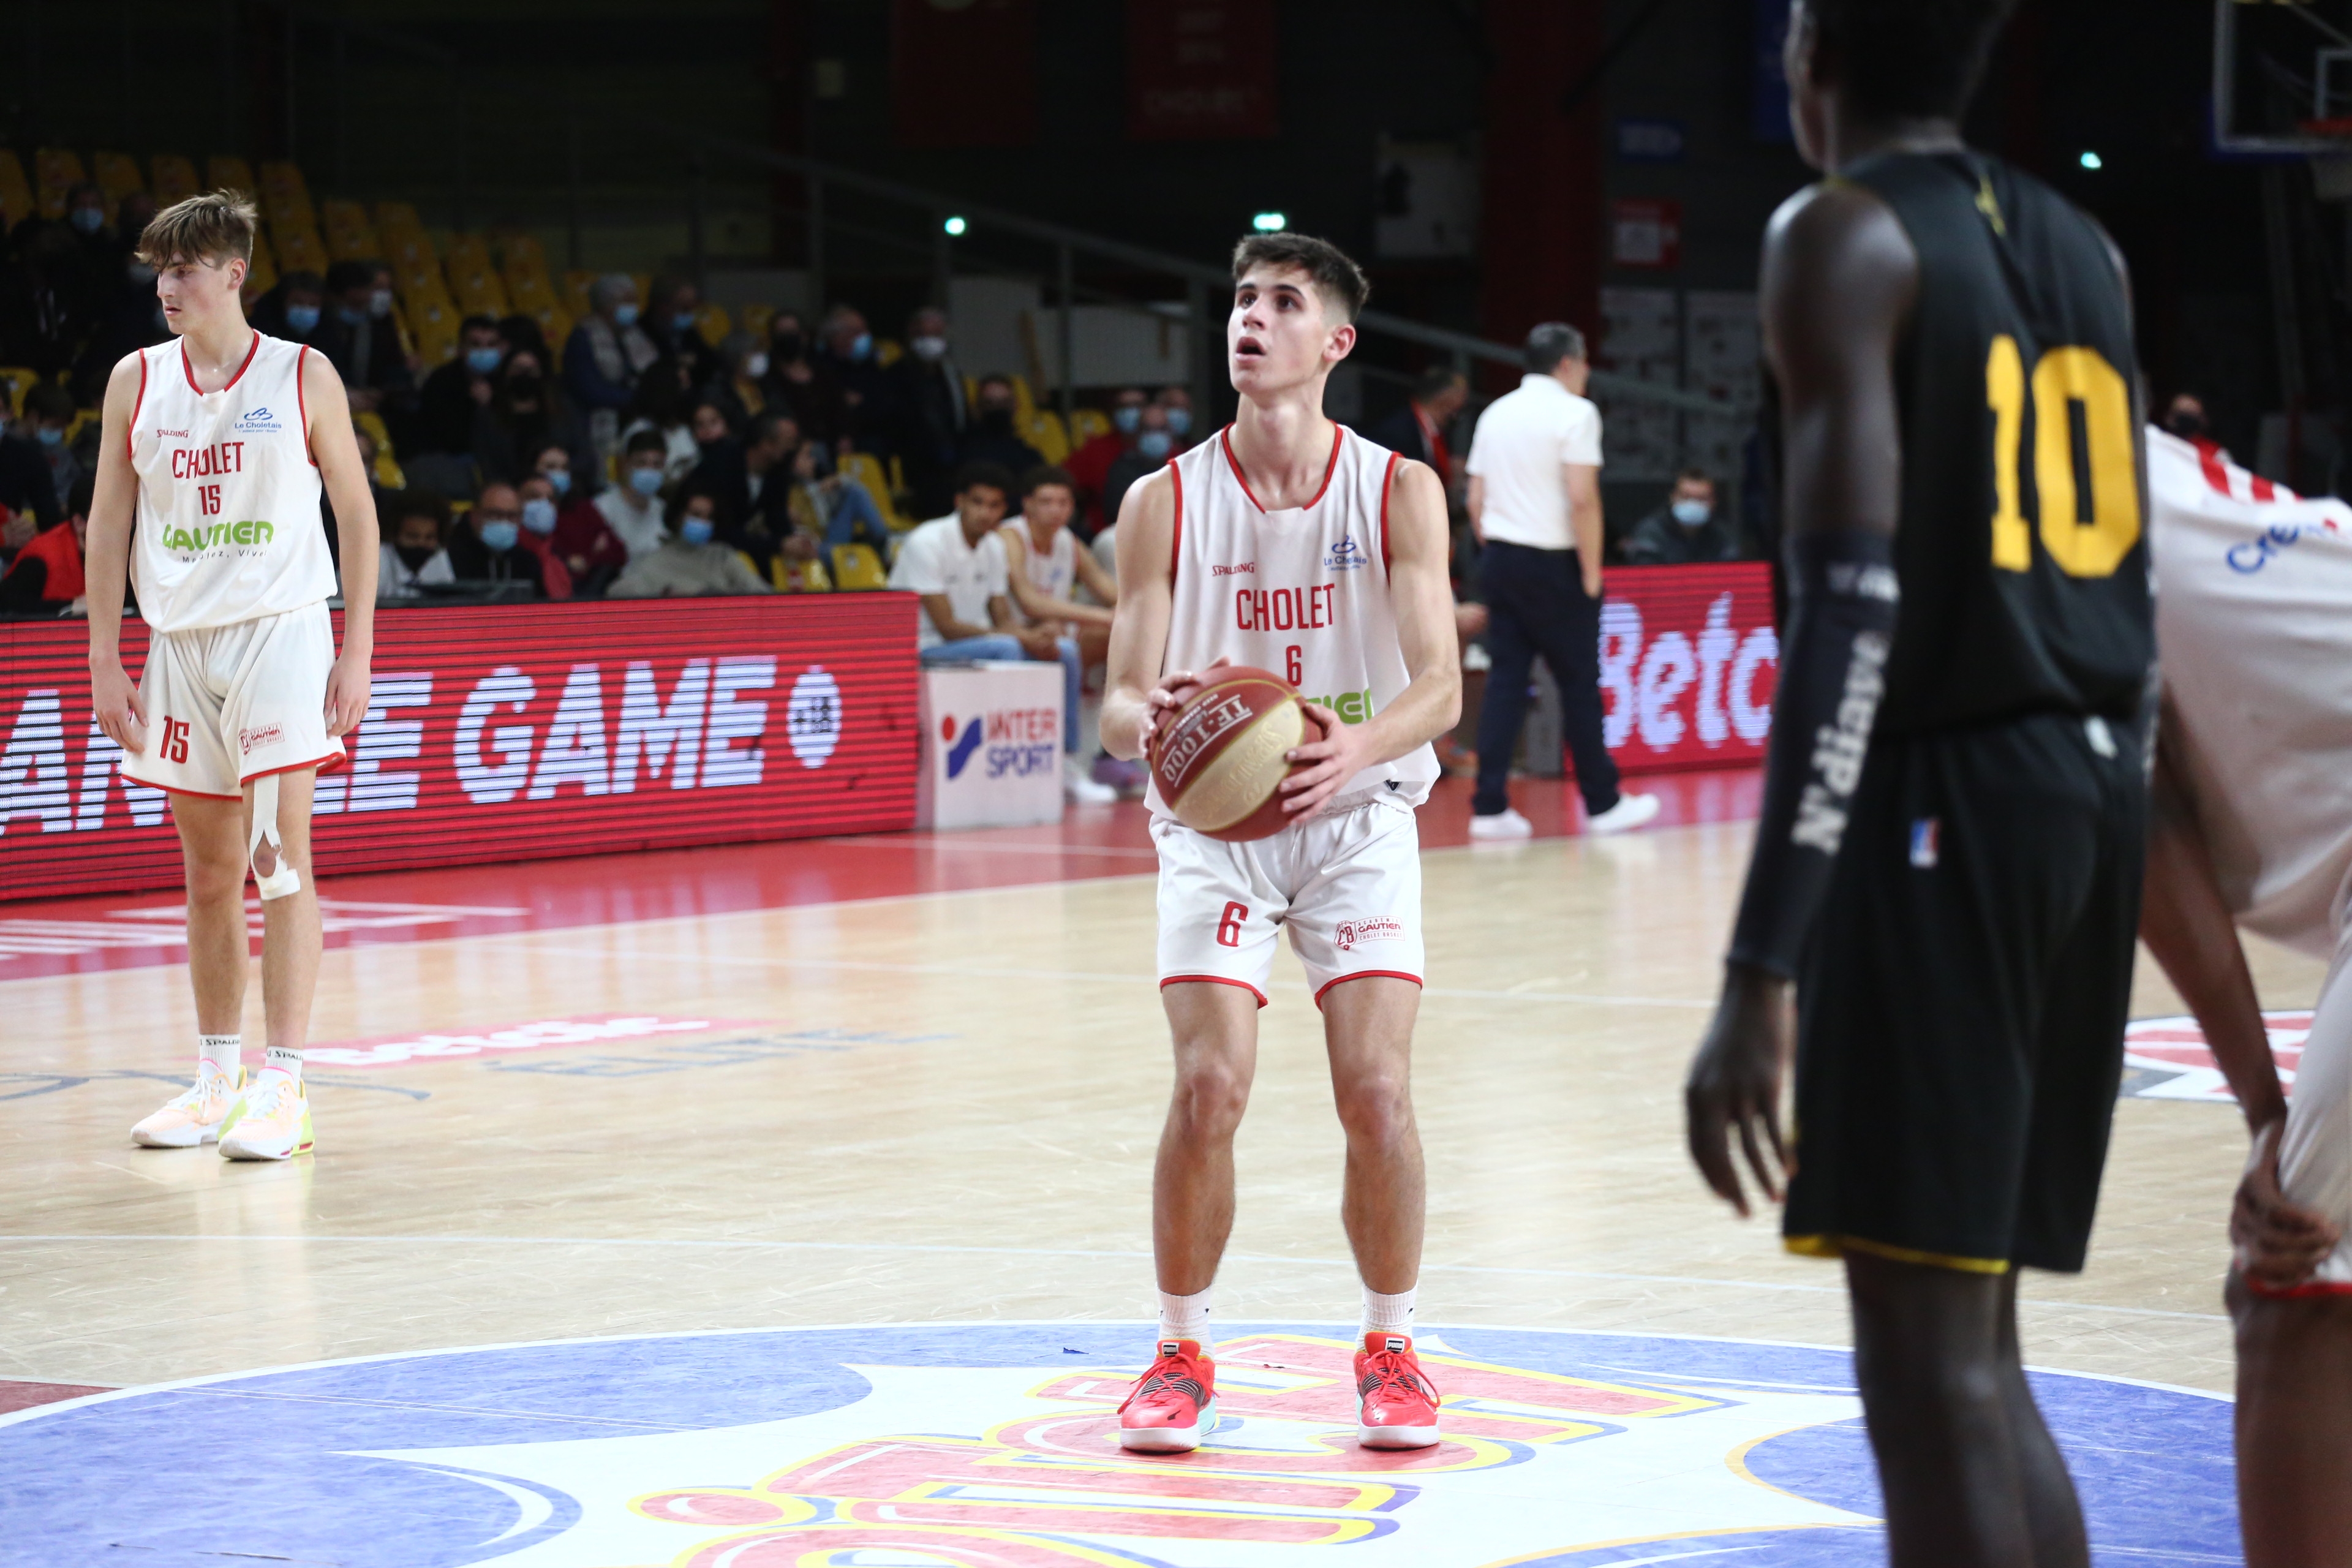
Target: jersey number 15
(2085,472)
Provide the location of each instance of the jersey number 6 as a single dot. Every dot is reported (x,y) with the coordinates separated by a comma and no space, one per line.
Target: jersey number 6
(2090,519)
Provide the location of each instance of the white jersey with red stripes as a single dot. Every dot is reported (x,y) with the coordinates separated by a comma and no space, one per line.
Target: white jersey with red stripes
(2253,618)
(1054,571)
(228,525)
(1303,592)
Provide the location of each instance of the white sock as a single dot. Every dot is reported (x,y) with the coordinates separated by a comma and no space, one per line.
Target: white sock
(1185,1318)
(283,1061)
(1387,1314)
(216,1055)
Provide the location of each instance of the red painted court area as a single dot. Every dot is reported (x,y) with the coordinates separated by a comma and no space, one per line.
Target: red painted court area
(132,931)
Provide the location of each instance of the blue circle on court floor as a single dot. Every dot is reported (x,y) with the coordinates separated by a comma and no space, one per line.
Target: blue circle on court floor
(991,1447)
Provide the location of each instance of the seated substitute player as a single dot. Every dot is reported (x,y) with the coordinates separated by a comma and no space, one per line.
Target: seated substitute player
(216,443)
(2253,827)
(1044,563)
(1351,539)
(1948,862)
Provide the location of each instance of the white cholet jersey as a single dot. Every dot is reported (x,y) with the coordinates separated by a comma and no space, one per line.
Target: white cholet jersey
(1053,572)
(228,527)
(2253,616)
(1302,592)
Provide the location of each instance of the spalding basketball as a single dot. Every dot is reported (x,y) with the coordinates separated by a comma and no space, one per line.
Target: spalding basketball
(1220,759)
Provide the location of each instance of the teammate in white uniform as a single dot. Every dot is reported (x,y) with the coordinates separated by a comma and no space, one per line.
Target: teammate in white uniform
(1291,544)
(2253,828)
(208,484)
(1044,563)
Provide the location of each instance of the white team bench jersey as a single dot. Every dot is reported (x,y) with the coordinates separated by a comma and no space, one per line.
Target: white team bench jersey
(1053,572)
(1302,592)
(2253,622)
(228,526)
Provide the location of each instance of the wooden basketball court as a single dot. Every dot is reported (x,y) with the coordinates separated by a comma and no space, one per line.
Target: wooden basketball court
(912,1080)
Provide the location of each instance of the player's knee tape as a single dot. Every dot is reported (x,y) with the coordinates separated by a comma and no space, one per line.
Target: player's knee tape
(285,880)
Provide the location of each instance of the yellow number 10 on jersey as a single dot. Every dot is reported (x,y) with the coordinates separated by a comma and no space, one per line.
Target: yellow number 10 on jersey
(2064,378)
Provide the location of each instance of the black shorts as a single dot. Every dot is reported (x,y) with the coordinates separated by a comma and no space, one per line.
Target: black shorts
(1961,1002)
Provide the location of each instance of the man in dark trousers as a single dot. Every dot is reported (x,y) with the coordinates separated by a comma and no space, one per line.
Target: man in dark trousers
(1535,502)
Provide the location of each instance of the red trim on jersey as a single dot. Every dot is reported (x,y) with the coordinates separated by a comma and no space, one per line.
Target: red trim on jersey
(175,789)
(1225,439)
(1215,980)
(190,370)
(1365,974)
(1176,536)
(325,764)
(2309,1288)
(302,404)
(1387,486)
(2263,489)
(130,436)
(2209,458)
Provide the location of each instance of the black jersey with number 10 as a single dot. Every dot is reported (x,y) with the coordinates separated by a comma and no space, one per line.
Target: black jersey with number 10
(2020,549)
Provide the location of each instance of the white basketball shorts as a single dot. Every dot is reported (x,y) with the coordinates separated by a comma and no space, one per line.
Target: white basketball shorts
(1347,887)
(226,704)
(2316,1153)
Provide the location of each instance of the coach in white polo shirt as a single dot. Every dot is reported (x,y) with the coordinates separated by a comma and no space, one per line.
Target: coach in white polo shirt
(1535,504)
(956,564)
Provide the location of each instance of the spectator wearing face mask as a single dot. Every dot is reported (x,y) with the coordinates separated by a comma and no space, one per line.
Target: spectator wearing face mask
(691,563)
(25,486)
(632,508)
(1178,402)
(990,437)
(743,359)
(49,414)
(411,557)
(457,390)
(487,549)
(46,574)
(672,319)
(750,478)
(525,411)
(89,268)
(606,354)
(1688,528)
(540,518)
(665,404)
(2185,417)
(358,335)
(867,403)
(933,417)
(798,385)
(291,310)
(1154,445)
(592,554)
(1090,464)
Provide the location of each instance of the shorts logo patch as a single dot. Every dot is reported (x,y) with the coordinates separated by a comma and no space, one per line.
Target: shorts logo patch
(1351,935)
(1926,834)
(266,736)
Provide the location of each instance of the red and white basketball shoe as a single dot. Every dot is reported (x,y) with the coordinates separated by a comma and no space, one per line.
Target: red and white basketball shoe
(1174,1404)
(1396,1403)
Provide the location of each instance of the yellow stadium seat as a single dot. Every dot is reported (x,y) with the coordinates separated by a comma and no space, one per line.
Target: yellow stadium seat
(16,191)
(350,235)
(888,351)
(855,568)
(1086,423)
(300,248)
(576,285)
(286,195)
(55,170)
(866,469)
(1025,408)
(225,173)
(713,324)
(790,576)
(174,178)
(118,176)
(434,324)
(15,380)
(1042,430)
(83,418)
(473,283)
(262,276)
(755,320)
(521,252)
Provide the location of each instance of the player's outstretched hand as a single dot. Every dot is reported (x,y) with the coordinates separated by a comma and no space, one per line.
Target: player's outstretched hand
(1175,689)
(1327,764)
(115,702)
(347,688)
(2276,1243)
(1734,1089)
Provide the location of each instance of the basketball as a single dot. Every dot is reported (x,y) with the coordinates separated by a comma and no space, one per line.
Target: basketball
(1220,759)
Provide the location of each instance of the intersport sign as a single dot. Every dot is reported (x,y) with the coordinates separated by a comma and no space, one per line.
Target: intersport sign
(509,732)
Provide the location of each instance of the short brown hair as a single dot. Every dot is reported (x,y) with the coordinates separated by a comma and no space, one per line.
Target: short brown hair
(212,227)
(1336,277)
(1045,474)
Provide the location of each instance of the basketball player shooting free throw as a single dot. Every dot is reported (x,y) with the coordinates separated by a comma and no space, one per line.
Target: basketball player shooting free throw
(218,443)
(1293,545)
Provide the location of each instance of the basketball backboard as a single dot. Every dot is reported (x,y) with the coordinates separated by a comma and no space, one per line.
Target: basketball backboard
(2282,77)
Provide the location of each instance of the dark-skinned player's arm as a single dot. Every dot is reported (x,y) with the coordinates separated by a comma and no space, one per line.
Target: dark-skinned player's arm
(336,448)
(106,564)
(1136,695)
(1420,589)
(1839,279)
(2187,925)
